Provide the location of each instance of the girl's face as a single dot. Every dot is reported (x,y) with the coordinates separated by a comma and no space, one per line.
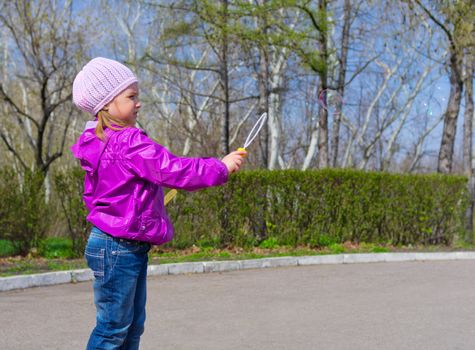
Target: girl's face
(125,106)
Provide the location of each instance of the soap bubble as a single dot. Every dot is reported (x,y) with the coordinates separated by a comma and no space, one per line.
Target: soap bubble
(330,99)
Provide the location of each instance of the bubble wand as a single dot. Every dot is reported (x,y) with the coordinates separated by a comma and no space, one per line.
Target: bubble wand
(252,135)
(254,131)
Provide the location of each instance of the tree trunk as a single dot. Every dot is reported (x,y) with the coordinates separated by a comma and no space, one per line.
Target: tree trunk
(341,82)
(274,118)
(263,80)
(445,161)
(322,112)
(468,118)
(469,159)
(225,81)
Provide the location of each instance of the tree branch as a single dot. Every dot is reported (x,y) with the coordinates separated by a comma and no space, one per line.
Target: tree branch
(437,22)
(11,149)
(15,107)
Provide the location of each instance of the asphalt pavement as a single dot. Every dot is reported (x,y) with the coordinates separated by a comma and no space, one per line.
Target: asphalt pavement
(373,306)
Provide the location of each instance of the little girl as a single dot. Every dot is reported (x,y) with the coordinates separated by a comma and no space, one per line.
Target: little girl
(125,172)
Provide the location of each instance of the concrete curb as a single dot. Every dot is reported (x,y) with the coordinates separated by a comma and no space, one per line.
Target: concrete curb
(74,276)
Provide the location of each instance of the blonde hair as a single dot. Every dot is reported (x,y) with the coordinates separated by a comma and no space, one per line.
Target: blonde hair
(105,120)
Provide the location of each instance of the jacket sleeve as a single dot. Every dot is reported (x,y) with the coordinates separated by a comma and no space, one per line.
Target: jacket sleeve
(153,162)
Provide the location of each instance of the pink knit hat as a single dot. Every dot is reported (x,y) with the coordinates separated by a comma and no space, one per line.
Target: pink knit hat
(99,82)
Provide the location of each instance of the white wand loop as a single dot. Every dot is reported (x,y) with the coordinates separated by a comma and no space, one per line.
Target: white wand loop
(254,131)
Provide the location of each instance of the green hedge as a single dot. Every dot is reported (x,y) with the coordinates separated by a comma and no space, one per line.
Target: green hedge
(321,207)
(289,207)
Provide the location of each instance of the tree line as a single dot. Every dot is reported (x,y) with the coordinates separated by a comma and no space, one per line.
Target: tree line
(375,85)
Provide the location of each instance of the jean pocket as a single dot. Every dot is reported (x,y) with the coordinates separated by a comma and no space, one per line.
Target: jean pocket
(95,261)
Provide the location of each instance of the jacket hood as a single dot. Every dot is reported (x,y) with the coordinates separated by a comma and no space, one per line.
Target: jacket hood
(88,148)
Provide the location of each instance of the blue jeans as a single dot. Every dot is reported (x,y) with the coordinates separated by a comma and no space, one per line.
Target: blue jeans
(120,290)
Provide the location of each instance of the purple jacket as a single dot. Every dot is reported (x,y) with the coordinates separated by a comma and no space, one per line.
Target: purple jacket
(124,178)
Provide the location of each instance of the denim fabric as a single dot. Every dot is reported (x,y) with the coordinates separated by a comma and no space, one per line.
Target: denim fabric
(120,290)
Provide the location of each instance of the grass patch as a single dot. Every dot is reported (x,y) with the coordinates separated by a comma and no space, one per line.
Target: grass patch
(57,248)
(195,253)
(25,266)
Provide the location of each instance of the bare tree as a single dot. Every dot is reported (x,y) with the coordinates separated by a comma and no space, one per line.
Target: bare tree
(342,67)
(318,19)
(378,121)
(329,63)
(453,25)
(469,158)
(468,113)
(45,42)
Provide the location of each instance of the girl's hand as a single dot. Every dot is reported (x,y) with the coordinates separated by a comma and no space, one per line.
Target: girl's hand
(234,160)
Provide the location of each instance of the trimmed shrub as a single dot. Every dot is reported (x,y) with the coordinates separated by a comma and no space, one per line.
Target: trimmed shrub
(24,215)
(70,187)
(323,207)
(318,208)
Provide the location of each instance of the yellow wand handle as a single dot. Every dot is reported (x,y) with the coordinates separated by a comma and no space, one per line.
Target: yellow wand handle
(169,196)
(242,149)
